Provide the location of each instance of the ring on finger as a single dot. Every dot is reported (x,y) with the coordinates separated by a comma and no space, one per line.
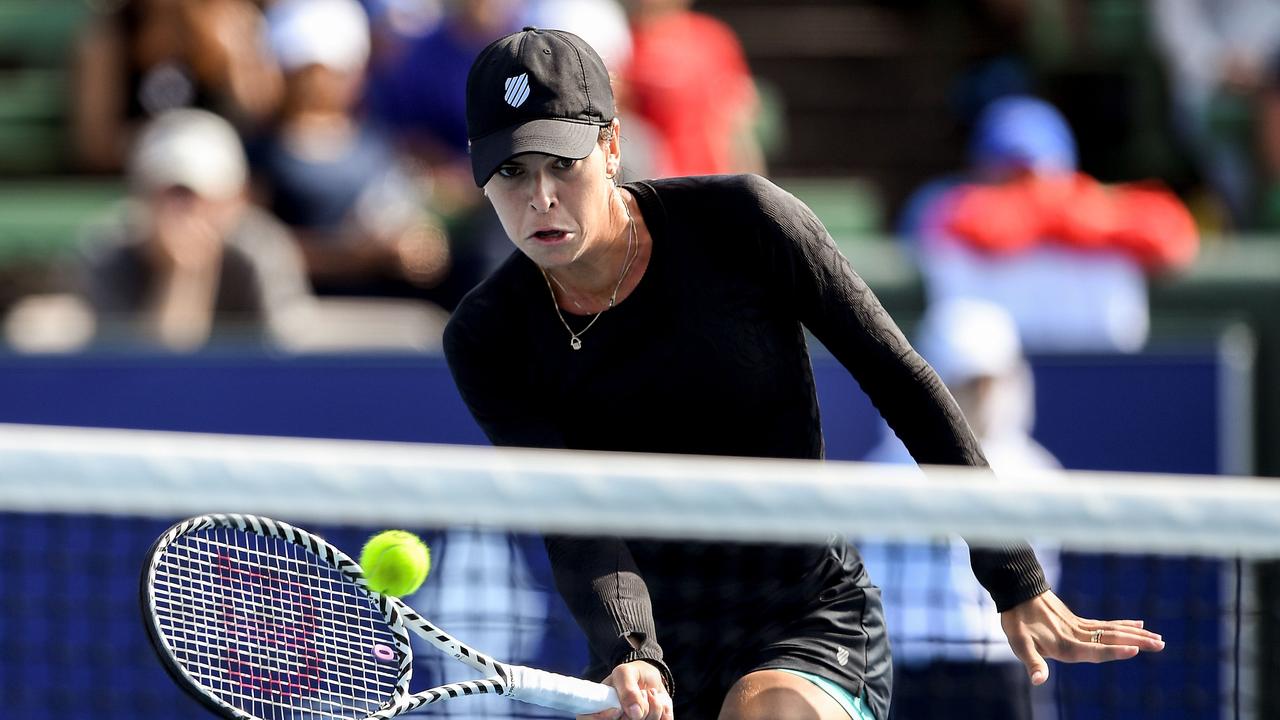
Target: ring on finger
(1096,637)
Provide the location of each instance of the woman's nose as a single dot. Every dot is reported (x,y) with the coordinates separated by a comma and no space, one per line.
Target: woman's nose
(542,197)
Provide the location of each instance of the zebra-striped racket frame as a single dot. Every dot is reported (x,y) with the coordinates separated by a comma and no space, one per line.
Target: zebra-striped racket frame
(397,614)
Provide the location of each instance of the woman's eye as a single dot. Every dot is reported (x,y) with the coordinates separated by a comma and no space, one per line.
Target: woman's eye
(565,163)
(508,171)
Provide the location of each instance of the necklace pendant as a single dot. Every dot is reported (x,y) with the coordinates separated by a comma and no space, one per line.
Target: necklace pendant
(575,343)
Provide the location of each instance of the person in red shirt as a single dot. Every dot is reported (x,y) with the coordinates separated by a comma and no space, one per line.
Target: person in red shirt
(688,78)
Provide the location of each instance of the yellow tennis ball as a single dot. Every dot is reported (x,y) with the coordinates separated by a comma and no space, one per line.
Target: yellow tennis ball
(395,562)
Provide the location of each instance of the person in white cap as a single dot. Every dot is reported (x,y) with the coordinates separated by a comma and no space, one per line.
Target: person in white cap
(951,659)
(336,180)
(136,59)
(188,251)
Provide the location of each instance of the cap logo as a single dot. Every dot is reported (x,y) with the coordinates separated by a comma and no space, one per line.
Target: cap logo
(517,90)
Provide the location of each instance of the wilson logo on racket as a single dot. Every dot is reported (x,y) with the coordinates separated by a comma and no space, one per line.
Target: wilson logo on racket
(517,90)
(285,637)
(260,620)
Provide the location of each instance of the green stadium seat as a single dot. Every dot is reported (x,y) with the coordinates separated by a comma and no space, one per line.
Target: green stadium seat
(36,42)
(33,106)
(41,220)
(848,206)
(32,94)
(39,33)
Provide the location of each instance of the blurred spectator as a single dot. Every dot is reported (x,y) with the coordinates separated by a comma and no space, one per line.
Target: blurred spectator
(1269,137)
(688,78)
(1217,52)
(1064,254)
(143,57)
(394,25)
(419,96)
(422,96)
(335,179)
(951,658)
(604,25)
(188,251)
(393,20)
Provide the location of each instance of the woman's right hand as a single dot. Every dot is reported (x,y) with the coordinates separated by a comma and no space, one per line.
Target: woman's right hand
(640,691)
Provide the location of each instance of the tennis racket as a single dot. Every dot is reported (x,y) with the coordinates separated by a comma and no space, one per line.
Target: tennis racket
(260,620)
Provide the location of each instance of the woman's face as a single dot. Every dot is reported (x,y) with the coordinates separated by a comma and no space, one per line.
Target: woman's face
(555,210)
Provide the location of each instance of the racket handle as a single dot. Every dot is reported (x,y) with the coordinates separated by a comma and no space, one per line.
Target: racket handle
(561,692)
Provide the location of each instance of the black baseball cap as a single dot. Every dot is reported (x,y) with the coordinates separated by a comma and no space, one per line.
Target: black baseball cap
(535,90)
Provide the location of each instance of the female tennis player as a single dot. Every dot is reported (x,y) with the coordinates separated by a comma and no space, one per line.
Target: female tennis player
(669,316)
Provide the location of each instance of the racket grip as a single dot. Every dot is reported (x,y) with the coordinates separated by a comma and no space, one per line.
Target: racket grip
(561,692)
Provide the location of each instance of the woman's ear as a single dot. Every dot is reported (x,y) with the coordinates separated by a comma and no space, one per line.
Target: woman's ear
(613,151)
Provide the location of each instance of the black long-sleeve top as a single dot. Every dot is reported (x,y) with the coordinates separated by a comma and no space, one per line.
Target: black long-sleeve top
(706,356)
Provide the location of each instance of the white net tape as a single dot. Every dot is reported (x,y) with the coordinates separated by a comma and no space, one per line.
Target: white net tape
(50,469)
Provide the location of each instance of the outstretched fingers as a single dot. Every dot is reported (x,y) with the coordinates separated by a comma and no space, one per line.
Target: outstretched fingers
(1098,641)
(1044,627)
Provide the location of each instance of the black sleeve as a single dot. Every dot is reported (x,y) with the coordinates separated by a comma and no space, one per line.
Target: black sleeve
(596,576)
(599,581)
(841,311)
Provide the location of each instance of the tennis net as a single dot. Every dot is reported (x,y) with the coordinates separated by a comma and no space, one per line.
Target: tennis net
(79,509)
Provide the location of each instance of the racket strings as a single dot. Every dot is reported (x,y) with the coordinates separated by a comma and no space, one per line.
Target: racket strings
(287,611)
(272,629)
(199,612)
(301,651)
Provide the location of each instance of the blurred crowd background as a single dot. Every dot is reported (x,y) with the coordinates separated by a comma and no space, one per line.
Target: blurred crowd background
(1018,180)
(180,175)
(178,172)
(292,174)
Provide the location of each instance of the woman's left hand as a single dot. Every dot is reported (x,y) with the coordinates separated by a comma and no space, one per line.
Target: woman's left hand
(1044,627)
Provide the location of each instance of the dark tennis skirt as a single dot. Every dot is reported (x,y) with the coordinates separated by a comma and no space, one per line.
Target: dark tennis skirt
(838,633)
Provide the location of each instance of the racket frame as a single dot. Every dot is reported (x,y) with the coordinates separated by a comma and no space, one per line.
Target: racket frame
(399,618)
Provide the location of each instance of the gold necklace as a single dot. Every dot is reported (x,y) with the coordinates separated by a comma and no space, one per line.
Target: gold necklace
(575,338)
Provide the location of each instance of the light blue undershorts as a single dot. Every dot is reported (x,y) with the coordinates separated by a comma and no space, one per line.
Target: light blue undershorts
(857,709)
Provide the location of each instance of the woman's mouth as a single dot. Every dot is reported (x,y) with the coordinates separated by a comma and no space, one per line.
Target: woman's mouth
(549,236)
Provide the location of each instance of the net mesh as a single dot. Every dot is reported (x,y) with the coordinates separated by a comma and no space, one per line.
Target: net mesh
(82,508)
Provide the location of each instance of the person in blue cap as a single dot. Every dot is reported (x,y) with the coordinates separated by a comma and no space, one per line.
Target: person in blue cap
(1012,134)
(1022,227)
